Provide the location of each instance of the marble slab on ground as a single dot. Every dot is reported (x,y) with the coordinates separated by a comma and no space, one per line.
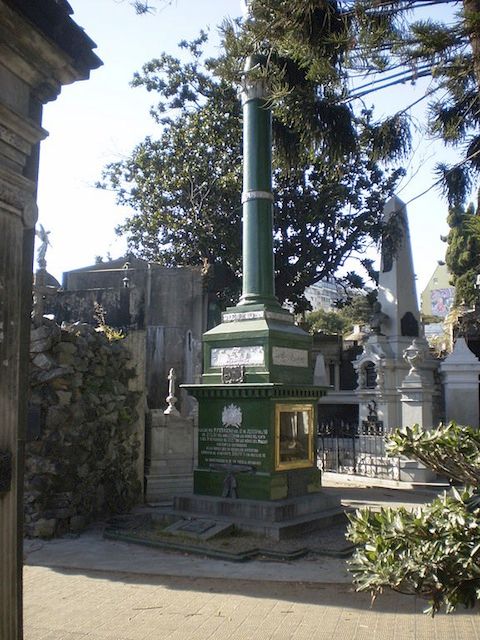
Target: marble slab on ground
(200,528)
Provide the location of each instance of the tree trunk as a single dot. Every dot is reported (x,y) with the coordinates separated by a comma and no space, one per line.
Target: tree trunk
(472,25)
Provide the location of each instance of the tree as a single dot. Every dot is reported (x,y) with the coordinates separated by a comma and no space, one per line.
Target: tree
(305,46)
(432,552)
(463,252)
(375,44)
(322,321)
(354,309)
(143,6)
(185,187)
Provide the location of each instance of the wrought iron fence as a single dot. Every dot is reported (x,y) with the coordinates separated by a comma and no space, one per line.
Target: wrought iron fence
(344,447)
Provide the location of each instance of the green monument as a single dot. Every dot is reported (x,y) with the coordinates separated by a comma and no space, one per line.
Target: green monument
(257,401)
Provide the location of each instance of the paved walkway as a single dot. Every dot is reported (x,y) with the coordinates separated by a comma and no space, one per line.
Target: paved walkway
(92,589)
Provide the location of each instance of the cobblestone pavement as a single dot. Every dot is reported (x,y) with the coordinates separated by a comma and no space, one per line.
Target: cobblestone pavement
(84,605)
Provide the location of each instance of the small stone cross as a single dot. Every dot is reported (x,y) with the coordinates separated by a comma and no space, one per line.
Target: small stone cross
(171,410)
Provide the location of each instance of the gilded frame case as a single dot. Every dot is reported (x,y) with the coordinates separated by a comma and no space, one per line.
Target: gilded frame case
(303,462)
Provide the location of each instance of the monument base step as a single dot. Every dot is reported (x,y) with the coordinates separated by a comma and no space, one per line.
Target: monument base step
(278,519)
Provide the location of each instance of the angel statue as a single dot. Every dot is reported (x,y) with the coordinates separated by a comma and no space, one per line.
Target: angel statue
(42,235)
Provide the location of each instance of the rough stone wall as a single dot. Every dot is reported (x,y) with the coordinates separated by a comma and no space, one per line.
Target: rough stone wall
(82,449)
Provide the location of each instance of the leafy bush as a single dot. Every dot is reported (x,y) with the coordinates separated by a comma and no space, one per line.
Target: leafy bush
(433,551)
(451,450)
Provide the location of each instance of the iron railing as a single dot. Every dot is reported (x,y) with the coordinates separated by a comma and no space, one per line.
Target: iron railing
(344,447)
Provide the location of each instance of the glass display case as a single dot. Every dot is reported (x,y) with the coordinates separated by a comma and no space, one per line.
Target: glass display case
(293,436)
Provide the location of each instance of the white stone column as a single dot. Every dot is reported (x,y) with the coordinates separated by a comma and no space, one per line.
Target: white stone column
(460,371)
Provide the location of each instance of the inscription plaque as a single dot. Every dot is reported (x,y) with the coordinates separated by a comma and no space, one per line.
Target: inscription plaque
(242,446)
(287,357)
(234,356)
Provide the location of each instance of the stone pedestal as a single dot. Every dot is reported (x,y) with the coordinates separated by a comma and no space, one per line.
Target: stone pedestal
(417,408)
(278,520)
(460,371)
(416,400)
(171,453)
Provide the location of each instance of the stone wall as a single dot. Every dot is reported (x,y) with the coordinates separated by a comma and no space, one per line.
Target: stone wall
(82,446)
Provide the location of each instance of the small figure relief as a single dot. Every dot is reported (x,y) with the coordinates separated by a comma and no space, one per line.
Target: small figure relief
(362,378)
(380,380)
(372,426)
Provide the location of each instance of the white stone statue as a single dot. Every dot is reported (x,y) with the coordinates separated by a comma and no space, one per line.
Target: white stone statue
(42,234)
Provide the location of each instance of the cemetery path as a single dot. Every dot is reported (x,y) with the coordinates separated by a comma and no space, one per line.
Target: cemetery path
(93,589)
(68,605)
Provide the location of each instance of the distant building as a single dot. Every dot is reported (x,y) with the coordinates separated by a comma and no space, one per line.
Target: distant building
(438,296)
(323,294)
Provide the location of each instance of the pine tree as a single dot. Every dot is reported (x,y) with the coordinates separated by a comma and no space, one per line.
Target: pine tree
(315,48)
(463,253)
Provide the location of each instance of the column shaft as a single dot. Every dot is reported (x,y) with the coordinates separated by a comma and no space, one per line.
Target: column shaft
(258,266)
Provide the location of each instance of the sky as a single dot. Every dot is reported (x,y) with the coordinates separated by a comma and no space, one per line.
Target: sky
(100,120)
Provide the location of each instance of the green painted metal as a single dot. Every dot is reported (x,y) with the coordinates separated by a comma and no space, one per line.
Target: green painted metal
(249,447)
(258,266)
(260,340)
(268,334)
(257,145)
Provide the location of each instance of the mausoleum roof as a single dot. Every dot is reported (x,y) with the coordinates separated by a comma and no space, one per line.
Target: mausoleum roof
(52,18)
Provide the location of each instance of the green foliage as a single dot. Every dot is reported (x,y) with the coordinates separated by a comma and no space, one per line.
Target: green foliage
(305,46)
(99,315)
(451,450)
(356,309)
(400,47)
(184,188)
(329,322)
(433,551)
(313,47)
(463,252)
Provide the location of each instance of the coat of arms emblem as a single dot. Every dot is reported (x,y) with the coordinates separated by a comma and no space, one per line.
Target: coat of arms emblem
(232,416)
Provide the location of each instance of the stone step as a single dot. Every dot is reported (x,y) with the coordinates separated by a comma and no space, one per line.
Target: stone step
(277,519)
(285,529)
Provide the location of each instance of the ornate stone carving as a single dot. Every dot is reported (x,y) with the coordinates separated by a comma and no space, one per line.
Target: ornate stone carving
(232,416)
(251,356)
(414,355)
(42,234)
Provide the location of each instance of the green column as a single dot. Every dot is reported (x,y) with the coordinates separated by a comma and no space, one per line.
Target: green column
(257,198)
